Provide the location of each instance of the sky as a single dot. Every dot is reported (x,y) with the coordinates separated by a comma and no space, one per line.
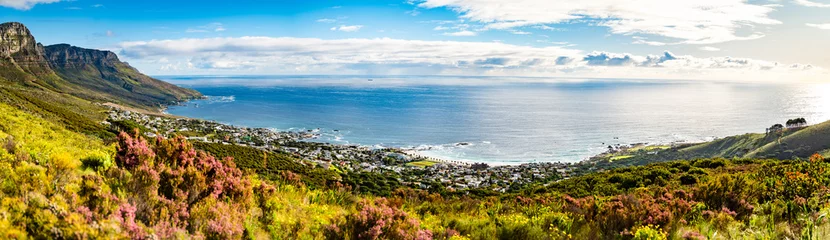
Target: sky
(724,40)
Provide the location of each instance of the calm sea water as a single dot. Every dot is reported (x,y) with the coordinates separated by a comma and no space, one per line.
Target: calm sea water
(515,122)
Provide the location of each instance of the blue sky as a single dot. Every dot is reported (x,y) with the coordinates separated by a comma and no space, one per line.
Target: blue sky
(775,40)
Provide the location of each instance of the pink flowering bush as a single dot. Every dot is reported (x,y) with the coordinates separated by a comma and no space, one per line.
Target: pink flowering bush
(379,219)
(618,214)
(132,151)
(126,216)
(167,178)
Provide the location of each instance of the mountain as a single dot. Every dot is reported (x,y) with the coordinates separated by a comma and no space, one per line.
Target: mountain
(110,79)
(89,74)
(67,84)
(22,59)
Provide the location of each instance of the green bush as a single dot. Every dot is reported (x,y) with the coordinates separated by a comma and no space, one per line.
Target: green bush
(649,233)
(97,162)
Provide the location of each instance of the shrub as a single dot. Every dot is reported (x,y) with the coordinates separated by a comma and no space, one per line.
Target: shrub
(622,212)
(516,226)
(688,179)
(710,163)
(649,233)
(693,235)
(697,171)
(97,162)
(132,151)
(735,192)
(9,145)
(176,189)
(378,220)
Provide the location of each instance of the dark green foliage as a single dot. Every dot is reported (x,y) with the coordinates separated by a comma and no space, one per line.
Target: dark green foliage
(617,181)
(127,126)
(688,179)
(710,163)
(251,158)
(97,163)
(373,183)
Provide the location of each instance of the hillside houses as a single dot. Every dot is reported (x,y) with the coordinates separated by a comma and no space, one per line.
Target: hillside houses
(452,175)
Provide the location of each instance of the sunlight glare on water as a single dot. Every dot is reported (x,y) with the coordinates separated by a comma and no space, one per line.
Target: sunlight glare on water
(509,123)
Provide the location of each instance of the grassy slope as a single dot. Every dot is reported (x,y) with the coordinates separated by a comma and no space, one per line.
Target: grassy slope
(733,146)
(102,77)
(75,114)
(793,143)
(41,139)
(802,143)
(106,85)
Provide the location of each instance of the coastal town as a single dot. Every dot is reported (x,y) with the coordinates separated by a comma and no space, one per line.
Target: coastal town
(415,170)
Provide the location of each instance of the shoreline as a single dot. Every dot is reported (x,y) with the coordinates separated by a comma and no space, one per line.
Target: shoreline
(316,135)
(411,167)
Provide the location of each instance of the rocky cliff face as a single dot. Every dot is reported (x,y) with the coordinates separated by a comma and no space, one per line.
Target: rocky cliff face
(103,72)
(67,56)
(18,47)
(87,73)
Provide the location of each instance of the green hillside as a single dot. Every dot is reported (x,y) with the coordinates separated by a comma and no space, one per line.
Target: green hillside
(101,76)
(787,143)
(802,143)
(66,84)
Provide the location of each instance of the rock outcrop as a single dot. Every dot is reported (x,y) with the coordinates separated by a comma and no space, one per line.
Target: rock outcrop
(18,47)
(68,56)
(87,73)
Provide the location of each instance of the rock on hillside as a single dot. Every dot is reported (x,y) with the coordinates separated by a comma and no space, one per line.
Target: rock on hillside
(19,48)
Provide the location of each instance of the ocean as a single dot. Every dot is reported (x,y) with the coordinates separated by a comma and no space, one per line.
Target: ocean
(500,120)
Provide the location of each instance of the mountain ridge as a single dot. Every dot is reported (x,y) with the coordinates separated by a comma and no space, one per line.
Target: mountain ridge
(94,75)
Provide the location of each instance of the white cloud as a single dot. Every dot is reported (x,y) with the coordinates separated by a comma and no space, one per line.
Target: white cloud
(546,27)
(709,49)
(440,28)
(344,28)
(642,40)
(211,27)
(517,32)
(326,20)
(24,4)
(690,22)
(823,26)
(110,33)
(98,5)
(808,3)
(394,56)
(414,12)
(463,33)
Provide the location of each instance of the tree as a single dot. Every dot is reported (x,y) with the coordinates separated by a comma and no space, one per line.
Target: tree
(798,122)
(775,128)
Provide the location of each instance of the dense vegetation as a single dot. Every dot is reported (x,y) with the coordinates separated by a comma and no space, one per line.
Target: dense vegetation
(272,165)
(61,184)
(64,175)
